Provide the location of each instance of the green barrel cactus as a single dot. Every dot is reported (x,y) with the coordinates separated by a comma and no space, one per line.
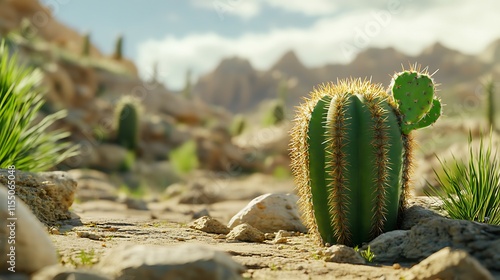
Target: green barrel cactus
(351,151)
(127,123)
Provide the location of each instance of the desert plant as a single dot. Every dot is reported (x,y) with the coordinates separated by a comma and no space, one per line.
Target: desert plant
(351,151)
(184,158)
(118,53)
(470,189)
(490,103)
(238,125)
(367,254)
(276,114)
(24,142)
(127,117)
(86,45)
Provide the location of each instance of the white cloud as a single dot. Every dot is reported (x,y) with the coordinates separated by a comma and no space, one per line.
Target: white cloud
(245,9)
(464,25)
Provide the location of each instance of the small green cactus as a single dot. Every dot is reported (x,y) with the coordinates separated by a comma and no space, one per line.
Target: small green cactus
(127,117)
(275,115)
(351,151)
(86,45)
(118,53)
(238,125)
(490,104)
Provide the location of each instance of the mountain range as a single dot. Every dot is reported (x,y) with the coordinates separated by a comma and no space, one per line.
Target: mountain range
(235,85)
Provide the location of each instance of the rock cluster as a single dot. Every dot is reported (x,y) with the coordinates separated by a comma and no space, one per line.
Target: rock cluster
(48,194)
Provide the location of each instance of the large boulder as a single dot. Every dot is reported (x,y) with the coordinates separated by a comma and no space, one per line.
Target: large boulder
(270,213)
(24,243)
(49,195)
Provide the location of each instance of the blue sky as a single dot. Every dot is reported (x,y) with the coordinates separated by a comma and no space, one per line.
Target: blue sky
(197,34)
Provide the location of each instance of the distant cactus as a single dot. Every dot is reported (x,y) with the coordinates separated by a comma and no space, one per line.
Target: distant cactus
(351,152)
(490,103)
(127,117)
(118,53)
(278,112)
(187,86)
(86,45)
(275,115)
(238,125)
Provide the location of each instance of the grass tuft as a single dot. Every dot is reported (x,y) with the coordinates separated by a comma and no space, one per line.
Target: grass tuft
(470,190)
(25,142)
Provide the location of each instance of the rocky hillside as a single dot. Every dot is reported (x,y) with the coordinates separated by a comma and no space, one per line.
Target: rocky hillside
(235,85)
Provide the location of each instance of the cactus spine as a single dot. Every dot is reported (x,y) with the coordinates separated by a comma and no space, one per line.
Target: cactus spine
(127,123)
(351,154)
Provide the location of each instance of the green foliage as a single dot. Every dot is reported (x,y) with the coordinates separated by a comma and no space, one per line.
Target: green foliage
(184,159)
(367,254)
(24,142)
(490,103)
(276,114)
(351,156)
(128,162)
(118,53)
(127,120)
(281,173)
(86,45)
(84,259)
(238,125)
(470,190)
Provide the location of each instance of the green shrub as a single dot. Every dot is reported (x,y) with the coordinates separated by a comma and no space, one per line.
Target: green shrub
(184,158)
(24,142)
(470,189)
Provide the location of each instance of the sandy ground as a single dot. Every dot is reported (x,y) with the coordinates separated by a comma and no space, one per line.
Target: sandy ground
(106,225)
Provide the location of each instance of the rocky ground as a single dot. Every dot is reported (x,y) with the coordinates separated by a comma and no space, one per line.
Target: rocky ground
(93,240)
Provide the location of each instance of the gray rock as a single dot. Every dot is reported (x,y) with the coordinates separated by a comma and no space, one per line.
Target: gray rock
(415,214)
(33,248)
(58,272)
(433,234)
(133,203)
(199,194)
(479,240)
(93,185)
(270,213)
(448,264)
(187,261)
(49,195)
(109,157)
(247,233)
(201,213)
(342,254)
(209,225)
(389,246)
